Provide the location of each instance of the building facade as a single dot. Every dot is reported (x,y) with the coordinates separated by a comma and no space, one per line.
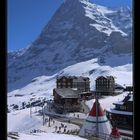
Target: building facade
(66,99)
(80,83)
(105,85)
(122,114)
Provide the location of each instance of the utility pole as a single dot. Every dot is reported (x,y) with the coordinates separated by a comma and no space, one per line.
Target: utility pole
(43,112)
(96,99)
(30,109)
(49,122)
(43,115)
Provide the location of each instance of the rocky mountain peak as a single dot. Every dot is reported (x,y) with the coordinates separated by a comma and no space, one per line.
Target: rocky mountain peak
(78,31)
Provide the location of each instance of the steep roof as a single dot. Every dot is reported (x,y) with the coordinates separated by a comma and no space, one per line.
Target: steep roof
(115,133)
(93,110)
(127,98)
(75,78)
(67,92)
(105,77)
(119,112)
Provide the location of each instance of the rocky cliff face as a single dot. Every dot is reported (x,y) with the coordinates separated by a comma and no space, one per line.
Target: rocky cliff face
(78,31)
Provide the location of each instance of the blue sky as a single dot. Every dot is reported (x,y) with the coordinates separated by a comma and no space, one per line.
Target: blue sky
(26,18)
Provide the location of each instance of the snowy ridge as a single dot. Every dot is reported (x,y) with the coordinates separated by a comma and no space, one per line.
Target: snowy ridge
(122,19)
(97,13)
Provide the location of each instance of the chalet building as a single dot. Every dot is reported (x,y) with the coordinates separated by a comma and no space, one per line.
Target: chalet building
(129,88)
(69,93)
(80,83)
(66,99)
(105,85)
(122,114)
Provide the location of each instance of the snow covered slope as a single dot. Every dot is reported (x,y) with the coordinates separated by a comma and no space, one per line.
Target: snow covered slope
(43,85)
(20,121)
(78,31)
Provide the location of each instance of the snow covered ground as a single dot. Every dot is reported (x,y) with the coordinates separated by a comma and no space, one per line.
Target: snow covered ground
(75,114)
(47,136)
(107,102)
(42,87)
(21,121)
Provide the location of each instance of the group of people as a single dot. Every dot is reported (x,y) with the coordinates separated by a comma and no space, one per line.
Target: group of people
(59,129)
(36,131)
(75,115)
(49,120)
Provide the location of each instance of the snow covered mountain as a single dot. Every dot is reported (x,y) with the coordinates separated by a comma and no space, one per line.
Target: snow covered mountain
(43,86)
(78,31)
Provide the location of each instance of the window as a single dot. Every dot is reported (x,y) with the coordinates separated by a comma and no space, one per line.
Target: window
(123,107)
(74,85)
(69,84)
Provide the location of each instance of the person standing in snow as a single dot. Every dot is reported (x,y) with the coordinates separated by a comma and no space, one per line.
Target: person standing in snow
(55,128)
(65,126)
(59,128)
(83,110)
(64,130)
(46,120)
(62,125)
(69,121)
(49,123)
(77,115)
